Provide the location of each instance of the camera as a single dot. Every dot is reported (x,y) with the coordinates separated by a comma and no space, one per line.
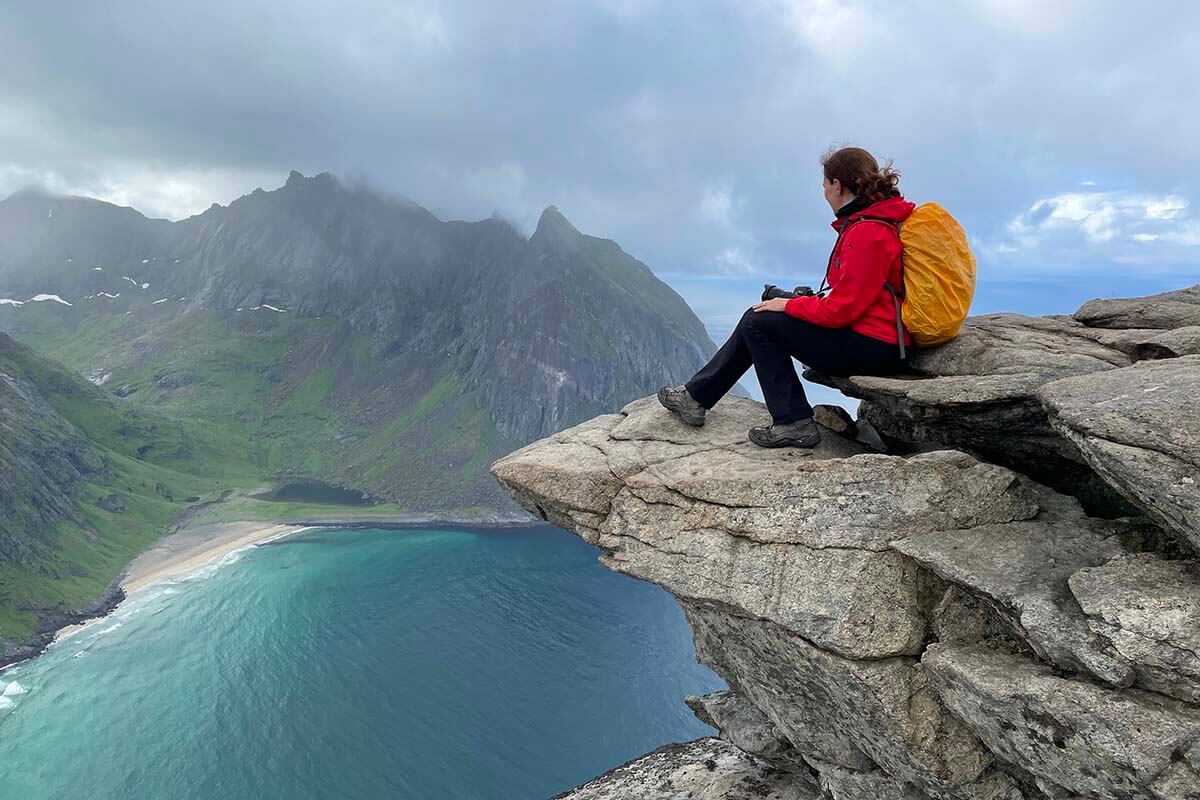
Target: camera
(771,291)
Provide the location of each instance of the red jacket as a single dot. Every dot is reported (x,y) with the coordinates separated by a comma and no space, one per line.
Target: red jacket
(863,259)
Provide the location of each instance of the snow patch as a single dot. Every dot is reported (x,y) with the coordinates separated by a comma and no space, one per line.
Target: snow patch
(106,294)
(6,301)
(145,261)
(99,377)
(145,286)
(38,298)
(156,302)
(269,308)
(94,269)
(131,280)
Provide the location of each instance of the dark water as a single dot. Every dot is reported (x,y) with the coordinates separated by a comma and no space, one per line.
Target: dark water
(359,664)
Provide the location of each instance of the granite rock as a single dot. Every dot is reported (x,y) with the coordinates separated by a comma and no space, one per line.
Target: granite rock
(704,769)
(797,537)
(1148,609)
(1023,569)
(1139,429)
(981,392)
(930,622)
(743,725)
(1088,740)
(1168,310)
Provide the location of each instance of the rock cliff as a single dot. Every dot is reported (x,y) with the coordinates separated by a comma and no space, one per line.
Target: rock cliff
(999,599)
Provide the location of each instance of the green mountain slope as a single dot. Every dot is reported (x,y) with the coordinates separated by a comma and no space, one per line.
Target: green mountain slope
(325,331)
(316,332)
(86,483)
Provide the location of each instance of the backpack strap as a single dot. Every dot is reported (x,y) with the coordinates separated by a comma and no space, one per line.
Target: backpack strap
(898,294)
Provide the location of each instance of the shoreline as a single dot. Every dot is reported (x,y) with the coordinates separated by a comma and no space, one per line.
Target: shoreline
(191,547)
(185,551)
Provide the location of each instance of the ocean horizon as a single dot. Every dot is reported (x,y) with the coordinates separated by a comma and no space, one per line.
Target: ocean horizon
(439,662)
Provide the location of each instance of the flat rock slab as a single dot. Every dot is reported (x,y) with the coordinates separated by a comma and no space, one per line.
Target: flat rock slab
(1014,344)
(1090,741)
(1023,569)
(1139,429)
(982,393)
(704,769)
(1168,310)
(1148,609)
(798,537)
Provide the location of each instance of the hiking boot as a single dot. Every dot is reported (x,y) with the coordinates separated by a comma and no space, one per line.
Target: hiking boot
(678,400)
(802,433)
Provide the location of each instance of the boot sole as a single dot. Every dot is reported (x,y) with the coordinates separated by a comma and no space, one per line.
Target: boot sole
(807,443)
(688,419)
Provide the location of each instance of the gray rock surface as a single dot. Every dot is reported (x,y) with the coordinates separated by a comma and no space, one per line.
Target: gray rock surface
(1139,429)
(704,769)
(981,391)
(1148,609)
(922,623)
(1087,740)
(113,503)
(1170,344)
(858,714)
(1023,569)
(797,537)
(1168,310)
(839,783)
(743,725)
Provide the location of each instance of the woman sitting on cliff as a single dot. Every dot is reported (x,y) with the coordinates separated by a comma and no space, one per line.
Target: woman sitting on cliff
(850,331)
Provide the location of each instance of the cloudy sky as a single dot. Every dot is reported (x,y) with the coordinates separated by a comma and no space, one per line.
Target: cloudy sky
(1062,134)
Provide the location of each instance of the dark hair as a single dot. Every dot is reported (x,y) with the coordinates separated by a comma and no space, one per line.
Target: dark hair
(860,174)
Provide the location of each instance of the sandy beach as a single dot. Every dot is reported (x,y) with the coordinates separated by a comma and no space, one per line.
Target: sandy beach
(188,550)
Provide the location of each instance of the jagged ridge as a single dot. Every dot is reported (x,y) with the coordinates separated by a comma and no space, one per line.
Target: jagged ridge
(345,335)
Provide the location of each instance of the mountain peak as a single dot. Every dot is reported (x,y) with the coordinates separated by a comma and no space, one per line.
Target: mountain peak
(553,227)
(553,217)
(294,178)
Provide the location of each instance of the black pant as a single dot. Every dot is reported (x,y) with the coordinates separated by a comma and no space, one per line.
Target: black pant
(769,340)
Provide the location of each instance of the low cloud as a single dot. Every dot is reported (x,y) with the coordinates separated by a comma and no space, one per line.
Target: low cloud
(1077,228)
(690,134)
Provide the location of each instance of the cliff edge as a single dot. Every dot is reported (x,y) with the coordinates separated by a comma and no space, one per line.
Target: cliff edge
(984,588)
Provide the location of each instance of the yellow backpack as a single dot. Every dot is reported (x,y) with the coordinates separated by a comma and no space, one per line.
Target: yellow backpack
(938,273)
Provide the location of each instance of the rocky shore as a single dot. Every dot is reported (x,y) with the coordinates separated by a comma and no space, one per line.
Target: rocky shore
(56,620)
(985,588)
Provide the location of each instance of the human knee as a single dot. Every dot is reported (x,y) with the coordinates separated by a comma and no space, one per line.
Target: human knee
(750,319)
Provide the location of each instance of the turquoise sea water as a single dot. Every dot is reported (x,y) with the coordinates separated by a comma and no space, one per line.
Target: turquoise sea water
(359,664)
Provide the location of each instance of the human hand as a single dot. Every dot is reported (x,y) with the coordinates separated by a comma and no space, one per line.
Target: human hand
(774,304)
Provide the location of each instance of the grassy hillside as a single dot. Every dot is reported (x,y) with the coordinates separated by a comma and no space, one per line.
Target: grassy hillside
(66,446)
(193,404)
(280,395)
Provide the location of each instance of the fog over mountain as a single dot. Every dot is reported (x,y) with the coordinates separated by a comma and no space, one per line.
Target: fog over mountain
(347,335)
